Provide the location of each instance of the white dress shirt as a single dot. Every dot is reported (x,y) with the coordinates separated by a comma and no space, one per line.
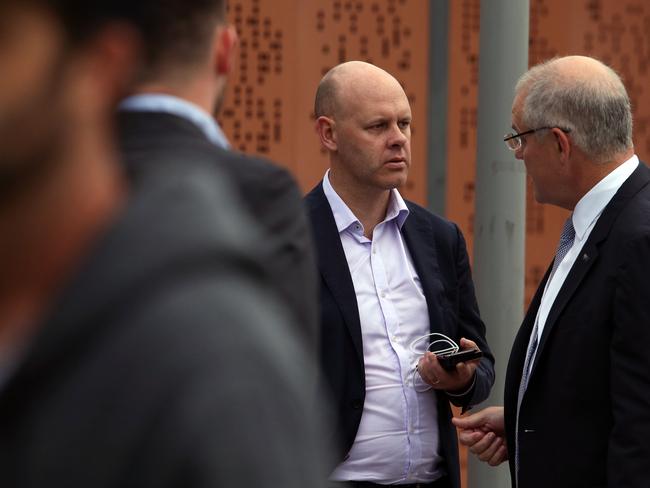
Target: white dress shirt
(585,215)
(397,440)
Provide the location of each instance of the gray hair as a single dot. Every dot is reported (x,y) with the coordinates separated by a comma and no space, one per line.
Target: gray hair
(596,109)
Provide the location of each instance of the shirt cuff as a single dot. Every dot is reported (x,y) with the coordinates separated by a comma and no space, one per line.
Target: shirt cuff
(465,392)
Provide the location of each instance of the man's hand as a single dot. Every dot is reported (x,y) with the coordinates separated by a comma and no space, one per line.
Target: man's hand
(484,434)
(456,381)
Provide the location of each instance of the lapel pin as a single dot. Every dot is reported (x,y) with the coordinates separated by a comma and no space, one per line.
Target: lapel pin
(585,257)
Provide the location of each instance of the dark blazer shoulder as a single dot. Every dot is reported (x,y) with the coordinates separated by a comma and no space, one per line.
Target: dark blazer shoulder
(445,235)
(440,224)
(316,196)
(256,173)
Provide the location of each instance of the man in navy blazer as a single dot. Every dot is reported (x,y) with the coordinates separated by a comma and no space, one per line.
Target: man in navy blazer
(394,278)
(577,407)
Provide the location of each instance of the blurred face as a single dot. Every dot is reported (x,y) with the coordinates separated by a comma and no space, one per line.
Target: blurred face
(537,153)
(373,135)
(31,117)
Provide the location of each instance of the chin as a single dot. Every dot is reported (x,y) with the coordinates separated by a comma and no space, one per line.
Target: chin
(540,197)
(395,183)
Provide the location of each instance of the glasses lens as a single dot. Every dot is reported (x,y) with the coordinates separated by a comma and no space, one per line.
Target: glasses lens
(512,142)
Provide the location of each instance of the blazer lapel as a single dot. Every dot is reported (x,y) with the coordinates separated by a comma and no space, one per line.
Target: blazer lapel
(332,263)
(520,345)
(589,253)
(420,240)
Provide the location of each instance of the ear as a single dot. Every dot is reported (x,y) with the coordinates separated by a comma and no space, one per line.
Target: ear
(225,44)
(326,129)
(563,144)
(106,68)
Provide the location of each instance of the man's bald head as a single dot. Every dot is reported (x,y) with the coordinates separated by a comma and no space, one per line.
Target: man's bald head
(344,81)
(583,95)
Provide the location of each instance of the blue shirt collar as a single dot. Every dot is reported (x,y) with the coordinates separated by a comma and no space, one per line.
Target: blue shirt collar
(158,102)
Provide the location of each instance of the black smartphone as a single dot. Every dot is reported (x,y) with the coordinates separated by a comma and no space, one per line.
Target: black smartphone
(449,361)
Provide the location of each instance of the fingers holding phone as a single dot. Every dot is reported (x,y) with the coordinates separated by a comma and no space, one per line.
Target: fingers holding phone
(451,373)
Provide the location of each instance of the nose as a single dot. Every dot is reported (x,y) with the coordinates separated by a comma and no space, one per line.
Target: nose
(519,153)
(397,136)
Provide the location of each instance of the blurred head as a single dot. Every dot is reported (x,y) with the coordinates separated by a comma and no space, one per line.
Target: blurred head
(585,112)
(64,65)
(363,119)
(183,39)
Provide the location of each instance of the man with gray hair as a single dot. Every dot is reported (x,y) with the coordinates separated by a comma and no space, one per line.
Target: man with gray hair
(577,392)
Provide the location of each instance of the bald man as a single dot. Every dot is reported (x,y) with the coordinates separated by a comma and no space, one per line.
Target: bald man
(577,394)
(392,274)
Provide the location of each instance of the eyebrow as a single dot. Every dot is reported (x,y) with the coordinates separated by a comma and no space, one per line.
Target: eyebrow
(378,119)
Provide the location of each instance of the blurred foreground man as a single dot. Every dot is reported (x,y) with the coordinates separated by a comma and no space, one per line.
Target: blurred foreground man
(391,274)
(577,394)
(138,346)
(168,121)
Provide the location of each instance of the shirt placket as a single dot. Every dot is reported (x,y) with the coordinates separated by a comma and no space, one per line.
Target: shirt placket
(397,341)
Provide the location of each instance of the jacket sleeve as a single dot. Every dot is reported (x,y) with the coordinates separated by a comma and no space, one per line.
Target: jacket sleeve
(471,327)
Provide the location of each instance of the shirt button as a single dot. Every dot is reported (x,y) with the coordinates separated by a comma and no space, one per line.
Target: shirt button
(396,339)
(383,294)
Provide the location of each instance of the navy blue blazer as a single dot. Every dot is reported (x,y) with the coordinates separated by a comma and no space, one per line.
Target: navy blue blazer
(440,258)
(585,417)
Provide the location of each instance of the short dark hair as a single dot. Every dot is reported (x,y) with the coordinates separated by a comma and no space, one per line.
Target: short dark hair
(176,33)
(325,95)
(326,102)
(83,18)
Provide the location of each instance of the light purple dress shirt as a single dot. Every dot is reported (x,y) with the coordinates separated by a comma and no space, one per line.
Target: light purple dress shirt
(397,440)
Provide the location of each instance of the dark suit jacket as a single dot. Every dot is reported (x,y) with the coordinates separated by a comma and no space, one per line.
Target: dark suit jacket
(440,258)
(164,362)
(269,193)
(585,417)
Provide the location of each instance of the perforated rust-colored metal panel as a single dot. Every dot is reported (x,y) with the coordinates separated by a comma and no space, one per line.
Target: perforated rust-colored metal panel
(464,18)
(615,31)
(286,47)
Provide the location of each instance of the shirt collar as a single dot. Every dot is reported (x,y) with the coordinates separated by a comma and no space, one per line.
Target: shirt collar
(592,204)
(158,102)
(345,218)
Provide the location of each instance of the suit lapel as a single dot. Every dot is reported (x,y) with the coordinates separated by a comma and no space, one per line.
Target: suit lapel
(520,346)
(589,253)
(420,240)
(332,264)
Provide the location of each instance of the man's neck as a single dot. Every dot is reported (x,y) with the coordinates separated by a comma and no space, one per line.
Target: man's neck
(593,173)
(47,228)
(369,205)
